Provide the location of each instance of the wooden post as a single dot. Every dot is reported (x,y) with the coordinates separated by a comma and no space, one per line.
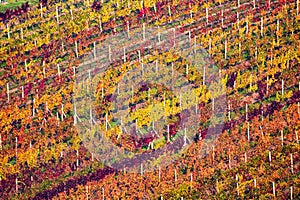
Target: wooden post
(248,131)
(22,35)
(92,157)
(103,197)
(267,84)
(274,192)
(109,53)
(168,136)
(291,189)
(175,175)
(158,174)
(57,18)
(225,49)
(7,87)
(282,87)
(206,9)
(297,140)
(41,5)
(245,157)
(76,46)
(255,183)
(270,158)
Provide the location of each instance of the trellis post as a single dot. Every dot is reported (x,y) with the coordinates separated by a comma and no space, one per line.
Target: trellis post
(57,18)
(7,87)
(292,164)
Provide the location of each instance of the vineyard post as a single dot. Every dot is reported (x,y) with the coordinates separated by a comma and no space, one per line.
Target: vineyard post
(17,185)
(74,71)
(297,7)
(229,162)
(245,157)
(190,36)
(168,133)
(109,53)
(41,5)
(213,154)
(124,54)
(255,182)
(206,9)
(94,49)
(267,84)
(191,14)
(238,3)
(57,18)
(175,175)
(58,70)
(282,87)
(297,140)
(225,49)
(247,26)
(158,174)
(253,3)
(77,161)
(128,30)
(33,110)
(22,35)
(256,51)
(203,83)
(270,157)
(291,189)
(154,6)
(144,30)
(16,148)
(246,112)
(139,52)
(222,18)
(191,179)
(61,154)
(248,131)
(187,70)
(238,19)
(103,197)
(92,157)
(0,141)
(169,10)
(292,164)
(274,192)
(156,65)
(100,25)
(71,12)
(76,48)
(172,65)
(213,104)
(210,45)
(142,69)
(7,87)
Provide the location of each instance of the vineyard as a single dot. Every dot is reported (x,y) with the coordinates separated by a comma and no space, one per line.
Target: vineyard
(254,46)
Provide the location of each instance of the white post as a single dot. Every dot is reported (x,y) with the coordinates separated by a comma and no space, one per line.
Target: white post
(103,197)
(282,87)
(222,18)
(297,140)
(169,10)
(168,136)
(229,110)
(155,9)
(253,3)
(203,83)
(245,157)
(256,51)
(237,184)
(238,3)
(213,104)
(0,141)
(297,7)
(57,15)
(291,188)
(254,182)
(191,179)
(58,70)
(159,174)
(92,157)
(206,14)
(270,158)
(76,48)
(175,175)
(100,25)
(16,185)
(7,87)
(22,35)
(187,70)
(77,161)
(71,12)
(246,112)
(109,53)
(41,5)
(16,147)
(225,49)
(248,131)
(267,84)
(274,192)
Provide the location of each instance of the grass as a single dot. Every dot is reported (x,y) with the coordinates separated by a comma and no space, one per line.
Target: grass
(11,4)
